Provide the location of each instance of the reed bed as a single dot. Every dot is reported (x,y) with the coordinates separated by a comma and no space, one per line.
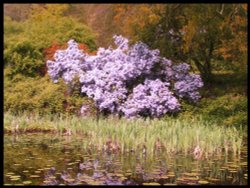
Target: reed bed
(189,136)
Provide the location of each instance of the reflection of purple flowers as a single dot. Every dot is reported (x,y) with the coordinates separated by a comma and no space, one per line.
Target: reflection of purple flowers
(130,80)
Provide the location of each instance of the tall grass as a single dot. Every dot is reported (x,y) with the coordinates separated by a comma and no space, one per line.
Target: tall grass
(173,135)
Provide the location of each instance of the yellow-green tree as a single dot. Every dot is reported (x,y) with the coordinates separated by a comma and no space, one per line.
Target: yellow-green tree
(47,23)
(25,41)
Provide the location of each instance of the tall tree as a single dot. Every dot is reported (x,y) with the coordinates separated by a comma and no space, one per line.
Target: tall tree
(199,34)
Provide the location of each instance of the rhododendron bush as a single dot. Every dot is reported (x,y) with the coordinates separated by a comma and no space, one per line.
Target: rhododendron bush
(129,80)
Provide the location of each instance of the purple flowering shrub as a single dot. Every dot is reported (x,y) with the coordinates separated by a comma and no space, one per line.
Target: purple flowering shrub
(133,81)
(152,98)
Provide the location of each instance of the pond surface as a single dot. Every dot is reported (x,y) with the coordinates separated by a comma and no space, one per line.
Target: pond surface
(47,159)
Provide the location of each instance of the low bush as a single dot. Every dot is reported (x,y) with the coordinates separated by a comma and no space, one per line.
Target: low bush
(229,110)
(23,58)
(40,95)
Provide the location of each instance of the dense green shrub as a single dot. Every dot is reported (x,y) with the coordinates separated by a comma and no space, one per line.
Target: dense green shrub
(27,94)
(23,58)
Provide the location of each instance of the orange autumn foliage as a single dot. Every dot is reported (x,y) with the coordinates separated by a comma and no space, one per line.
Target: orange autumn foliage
(49,52)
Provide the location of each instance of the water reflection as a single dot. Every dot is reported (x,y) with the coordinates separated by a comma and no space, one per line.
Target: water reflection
(44,159)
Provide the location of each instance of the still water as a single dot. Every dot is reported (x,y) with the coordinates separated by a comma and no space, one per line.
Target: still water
(47,159)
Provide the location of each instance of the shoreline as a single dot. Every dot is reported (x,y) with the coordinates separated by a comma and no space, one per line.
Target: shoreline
(169,135)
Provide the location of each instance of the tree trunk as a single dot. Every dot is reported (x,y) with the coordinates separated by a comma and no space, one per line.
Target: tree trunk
(205,69)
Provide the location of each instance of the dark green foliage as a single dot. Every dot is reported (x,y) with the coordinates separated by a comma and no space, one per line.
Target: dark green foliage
(224,100)
(229,109)
(23,58)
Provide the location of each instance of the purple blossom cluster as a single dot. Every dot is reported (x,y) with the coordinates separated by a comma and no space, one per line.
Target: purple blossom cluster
(68,63)
(152,98)
(130,80)
(186,84)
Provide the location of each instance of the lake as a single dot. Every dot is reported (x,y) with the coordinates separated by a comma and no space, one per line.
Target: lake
(50,159)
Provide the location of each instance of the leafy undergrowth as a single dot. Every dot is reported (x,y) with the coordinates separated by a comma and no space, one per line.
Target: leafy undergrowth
(223,100)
